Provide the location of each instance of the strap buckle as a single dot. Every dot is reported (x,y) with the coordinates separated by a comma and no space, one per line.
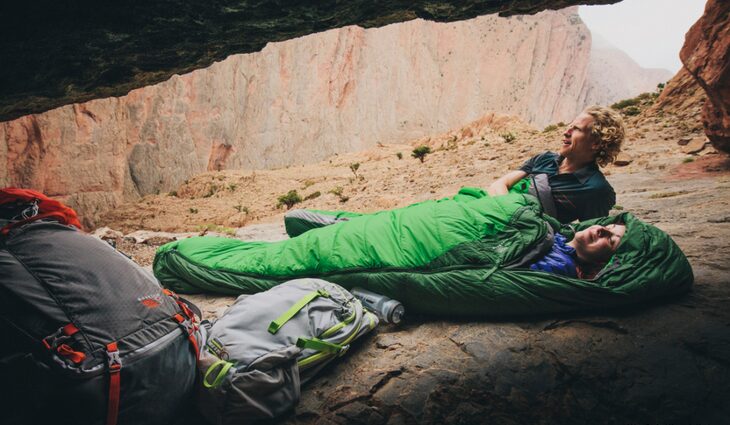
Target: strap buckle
(114,360)
(55,339)
(63,333)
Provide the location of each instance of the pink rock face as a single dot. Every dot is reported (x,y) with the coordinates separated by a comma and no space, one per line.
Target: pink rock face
(301,101)
(705,55)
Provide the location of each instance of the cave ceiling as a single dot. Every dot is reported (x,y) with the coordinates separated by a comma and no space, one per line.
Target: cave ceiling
(60,52)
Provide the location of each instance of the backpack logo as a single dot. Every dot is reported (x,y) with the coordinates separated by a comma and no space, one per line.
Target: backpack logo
(151,301)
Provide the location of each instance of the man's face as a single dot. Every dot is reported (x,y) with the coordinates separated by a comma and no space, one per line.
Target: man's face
(596,244)
(577,140)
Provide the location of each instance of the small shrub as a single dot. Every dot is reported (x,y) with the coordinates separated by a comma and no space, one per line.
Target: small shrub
(210,227)
(308,182)
(337,191)
(312,195)
(631,111)
(551,127)
(354,167)
(451,143)
(290,199)
(193,210)
(232,187)
(647,97)
(508,137)
(240,208)
(687,160)
(618,207)
(621,104)
(211,191)
(399,155)
(421,152)
(172,193)
(560,124)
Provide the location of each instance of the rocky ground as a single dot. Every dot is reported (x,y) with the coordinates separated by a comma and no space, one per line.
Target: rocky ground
(668,362)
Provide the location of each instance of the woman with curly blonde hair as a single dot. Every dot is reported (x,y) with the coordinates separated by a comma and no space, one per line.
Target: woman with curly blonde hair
(577,187)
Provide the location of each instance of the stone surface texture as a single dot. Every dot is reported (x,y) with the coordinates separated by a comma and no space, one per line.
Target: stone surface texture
(706,54)
(303,100)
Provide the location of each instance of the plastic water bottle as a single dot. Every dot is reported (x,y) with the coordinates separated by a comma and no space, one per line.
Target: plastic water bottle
(387,309)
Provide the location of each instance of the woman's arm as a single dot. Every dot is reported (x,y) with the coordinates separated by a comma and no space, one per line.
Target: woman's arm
(503,184)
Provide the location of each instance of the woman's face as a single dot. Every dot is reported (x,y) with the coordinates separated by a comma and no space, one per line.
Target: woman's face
(597,243)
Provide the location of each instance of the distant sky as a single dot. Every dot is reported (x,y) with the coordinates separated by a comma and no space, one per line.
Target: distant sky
(650,31)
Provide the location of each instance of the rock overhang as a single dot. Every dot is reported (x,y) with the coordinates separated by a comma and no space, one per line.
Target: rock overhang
(57,53)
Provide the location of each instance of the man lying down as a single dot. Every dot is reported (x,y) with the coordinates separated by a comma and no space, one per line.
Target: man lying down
(463,256)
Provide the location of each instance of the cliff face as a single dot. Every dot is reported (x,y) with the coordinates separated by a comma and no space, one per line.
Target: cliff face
(613,75)
(706,55)
(301,101)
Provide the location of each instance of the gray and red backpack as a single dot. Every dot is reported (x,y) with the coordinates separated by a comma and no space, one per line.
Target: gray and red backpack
(90,337)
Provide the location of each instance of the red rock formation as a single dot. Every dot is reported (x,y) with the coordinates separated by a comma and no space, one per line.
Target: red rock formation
(705,54)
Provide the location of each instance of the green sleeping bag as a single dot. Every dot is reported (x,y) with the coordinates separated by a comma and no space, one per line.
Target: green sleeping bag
(464,256)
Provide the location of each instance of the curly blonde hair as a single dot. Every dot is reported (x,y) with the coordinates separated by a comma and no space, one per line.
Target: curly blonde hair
(608,130)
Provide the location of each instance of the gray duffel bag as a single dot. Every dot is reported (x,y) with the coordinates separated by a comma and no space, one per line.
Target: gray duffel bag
(266,345)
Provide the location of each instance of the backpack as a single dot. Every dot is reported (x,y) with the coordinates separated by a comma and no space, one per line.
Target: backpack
(265,346)
(90,337)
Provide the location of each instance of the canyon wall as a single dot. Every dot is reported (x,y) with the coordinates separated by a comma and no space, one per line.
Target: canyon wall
(613,75)
(300,101)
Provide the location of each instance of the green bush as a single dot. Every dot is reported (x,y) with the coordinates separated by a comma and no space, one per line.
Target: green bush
(312,195)
(354,167)
(551,127)
(631,110)
(621,104)
(399,155)
(421,152)
(291,198)
(508,137)
(337,191)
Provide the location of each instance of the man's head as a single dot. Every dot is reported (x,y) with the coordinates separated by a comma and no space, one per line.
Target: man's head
(595,134)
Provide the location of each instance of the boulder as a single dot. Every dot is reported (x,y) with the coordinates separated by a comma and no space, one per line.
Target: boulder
(695,145)
(107,234)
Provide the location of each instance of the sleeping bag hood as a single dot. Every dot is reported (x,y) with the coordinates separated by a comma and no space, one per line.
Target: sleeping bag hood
(463,256)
